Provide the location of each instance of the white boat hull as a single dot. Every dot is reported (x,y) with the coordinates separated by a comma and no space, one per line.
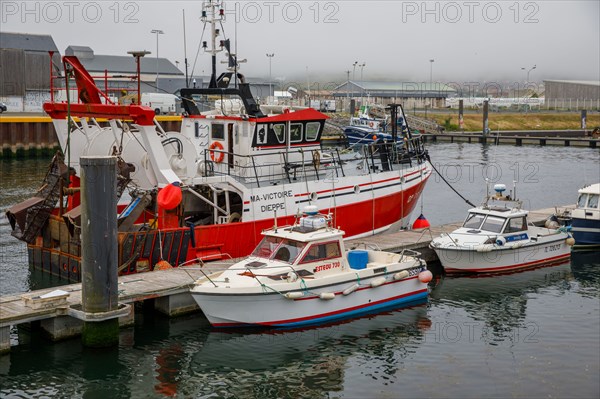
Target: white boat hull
(493,259)
(265,307)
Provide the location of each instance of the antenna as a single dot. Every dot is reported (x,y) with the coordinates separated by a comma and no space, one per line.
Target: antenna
(187,82)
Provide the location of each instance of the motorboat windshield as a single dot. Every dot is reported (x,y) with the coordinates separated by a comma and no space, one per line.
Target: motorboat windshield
(281,249)
(493,224)
(473,221)
(489,223)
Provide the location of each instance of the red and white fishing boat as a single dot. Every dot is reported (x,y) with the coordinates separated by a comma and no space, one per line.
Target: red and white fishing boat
(208,191)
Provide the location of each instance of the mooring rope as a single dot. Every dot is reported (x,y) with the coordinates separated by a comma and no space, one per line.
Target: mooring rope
(446,181)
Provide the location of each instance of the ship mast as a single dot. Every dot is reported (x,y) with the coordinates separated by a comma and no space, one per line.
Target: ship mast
(213,12)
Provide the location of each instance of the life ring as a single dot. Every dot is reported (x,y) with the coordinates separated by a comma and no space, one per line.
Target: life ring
(370,124)
(216,156)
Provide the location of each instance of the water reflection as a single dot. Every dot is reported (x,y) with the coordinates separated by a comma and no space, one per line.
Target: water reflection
(586,266)
(500,302)
(308,362)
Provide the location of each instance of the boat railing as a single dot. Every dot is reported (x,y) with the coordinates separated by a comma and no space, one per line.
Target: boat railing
(317,164)
(274,167)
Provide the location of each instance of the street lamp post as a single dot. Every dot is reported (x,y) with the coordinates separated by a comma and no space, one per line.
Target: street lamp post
(431,71)
(138,55)
(362,66)
(158,32)
(528,71)
(430,81)
(270,59)
(354,71)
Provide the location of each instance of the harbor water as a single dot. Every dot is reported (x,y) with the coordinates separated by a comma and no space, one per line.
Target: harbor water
(529,334)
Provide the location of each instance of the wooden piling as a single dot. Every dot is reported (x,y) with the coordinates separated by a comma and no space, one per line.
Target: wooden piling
(99,248)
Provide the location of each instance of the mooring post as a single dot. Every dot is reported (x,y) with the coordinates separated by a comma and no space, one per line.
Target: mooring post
(99,248)
(486,126)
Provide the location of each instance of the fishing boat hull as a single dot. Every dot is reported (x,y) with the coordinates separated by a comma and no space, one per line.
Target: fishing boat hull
(492,258)
(395,198)
(270,307)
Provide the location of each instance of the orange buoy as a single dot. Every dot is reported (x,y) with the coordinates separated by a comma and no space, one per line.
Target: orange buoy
(425,276)
(421,222)
(162,265)
(170,196)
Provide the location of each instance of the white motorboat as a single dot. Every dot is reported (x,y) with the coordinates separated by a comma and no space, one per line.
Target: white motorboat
(301,275)
(496,237)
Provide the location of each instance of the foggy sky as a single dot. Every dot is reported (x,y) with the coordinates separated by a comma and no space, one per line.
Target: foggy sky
(320,41)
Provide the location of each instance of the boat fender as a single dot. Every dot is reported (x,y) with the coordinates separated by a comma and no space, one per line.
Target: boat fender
(483,248)
(401,275)
(500,241)
(327,295)
(570,241)
(378,281)
(425,276)
(292,277)
(350,289)
(294,295)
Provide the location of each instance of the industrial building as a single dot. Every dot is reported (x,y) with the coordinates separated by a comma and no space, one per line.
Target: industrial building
(410,94)
(572,94)
(25,70)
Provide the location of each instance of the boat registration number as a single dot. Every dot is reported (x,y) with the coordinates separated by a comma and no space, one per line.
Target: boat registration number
(327,266)
(552,248)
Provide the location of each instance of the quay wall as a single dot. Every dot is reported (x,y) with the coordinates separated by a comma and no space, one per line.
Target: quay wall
(32,136)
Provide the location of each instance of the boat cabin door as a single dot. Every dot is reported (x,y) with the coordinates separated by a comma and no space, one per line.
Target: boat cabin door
(221,143)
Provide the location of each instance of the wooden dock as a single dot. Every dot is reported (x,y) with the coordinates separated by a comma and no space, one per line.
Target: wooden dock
(170,289)
(567,139)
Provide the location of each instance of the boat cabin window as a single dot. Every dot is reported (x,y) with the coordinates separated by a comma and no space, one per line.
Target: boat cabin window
(322,251)
(266,247)
(582,200)
(473,221)
(295,132)
(281,249)
(312,131)
(218,131)
(516,224)
(493,224)
(593,201)
(279,132)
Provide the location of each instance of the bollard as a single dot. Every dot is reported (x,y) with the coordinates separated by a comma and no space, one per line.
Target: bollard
(99,248)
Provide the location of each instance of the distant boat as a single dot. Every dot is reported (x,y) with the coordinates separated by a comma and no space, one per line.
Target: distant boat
(372,125)
(585,218)
(496,237)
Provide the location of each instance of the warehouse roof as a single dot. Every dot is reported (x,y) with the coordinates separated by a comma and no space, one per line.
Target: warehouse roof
(577,82)
(27,41)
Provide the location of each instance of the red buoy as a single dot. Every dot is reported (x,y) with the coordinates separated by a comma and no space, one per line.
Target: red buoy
(425,276)
(169,197)
(421,222)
